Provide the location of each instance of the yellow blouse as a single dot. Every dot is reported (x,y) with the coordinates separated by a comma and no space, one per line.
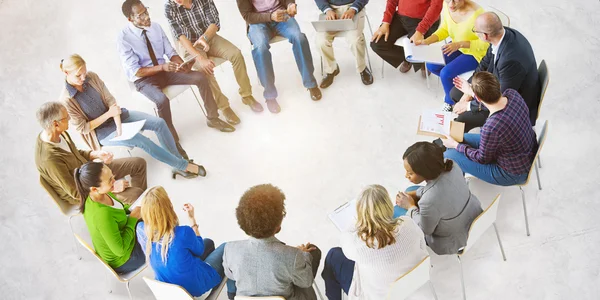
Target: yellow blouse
(462,31)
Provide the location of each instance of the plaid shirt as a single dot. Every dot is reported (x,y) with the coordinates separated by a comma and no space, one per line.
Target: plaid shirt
(191,22)
(506,138)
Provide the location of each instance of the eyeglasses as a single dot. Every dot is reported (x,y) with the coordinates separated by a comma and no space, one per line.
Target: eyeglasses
(475,31)
(145,14)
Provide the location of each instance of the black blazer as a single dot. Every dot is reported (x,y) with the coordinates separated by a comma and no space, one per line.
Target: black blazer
(516,69)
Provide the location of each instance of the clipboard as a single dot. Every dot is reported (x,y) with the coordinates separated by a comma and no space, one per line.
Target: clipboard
(344,217)
(457,131)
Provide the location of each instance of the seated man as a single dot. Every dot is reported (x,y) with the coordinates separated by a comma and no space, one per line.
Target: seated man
(142,45)
(510,58)
(194,24)
(343,9)
(416,18)
(56,157)
(266,19)
(279,270)
(503,153)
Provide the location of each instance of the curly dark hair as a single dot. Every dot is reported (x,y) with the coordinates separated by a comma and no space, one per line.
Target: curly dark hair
(127,7)
(261,210)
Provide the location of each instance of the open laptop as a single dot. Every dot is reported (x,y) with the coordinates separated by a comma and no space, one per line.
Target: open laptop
(323,25)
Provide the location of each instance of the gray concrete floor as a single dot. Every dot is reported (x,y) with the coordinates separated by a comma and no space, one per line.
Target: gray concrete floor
(320,153)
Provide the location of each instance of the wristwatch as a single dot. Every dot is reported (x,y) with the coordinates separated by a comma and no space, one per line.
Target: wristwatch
(204,38)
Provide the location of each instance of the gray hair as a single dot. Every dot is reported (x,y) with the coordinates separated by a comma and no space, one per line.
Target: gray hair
(48,113)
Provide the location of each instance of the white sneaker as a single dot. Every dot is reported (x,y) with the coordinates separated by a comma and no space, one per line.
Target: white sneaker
(447,107)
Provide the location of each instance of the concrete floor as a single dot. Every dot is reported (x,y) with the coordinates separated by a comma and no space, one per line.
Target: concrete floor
(320,153)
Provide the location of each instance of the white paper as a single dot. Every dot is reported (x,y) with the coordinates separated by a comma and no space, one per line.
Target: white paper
(423,53)
(128,130)
(138,201)
(436,122)
(188,60)
(344,217)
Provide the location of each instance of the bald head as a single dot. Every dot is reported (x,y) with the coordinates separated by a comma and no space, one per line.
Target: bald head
(490,23)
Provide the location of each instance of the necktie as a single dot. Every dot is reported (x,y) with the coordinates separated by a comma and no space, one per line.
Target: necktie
(150,50)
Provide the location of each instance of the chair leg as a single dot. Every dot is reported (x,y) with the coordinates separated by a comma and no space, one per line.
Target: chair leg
(199,103)
(433,290)
(129,151)
(74,239)
(321,66)
(499,241)
(318,291)
(369,22)
(525,210)
(539,161)
(155,112)
(382,65)
(108,277)
(128,290)
(537,175)
(368,56)
(427,76)
(462,278)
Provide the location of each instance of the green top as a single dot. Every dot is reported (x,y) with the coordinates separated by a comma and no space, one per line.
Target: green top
(112,231)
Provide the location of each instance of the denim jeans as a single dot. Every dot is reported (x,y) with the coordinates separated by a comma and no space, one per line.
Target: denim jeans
(399,211)
(136,260)
(490,173)
(456,64)
(214,257)
(167,153)
(260,34)
(337,273)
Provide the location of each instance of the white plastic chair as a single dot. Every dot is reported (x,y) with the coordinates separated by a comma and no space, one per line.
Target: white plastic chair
(479,226)
(505,22)
(363,14)
(67,209)
(125,278)
(168,291)
(411,281)
(317,291)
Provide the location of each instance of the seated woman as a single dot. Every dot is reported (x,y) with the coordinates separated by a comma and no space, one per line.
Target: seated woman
(178,254)
(109,221)
(278,269)
(380,250)
(503,152)
(465,51)
(91,108)
(446,205)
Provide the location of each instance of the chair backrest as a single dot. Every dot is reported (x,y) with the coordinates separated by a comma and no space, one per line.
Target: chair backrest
(167,291)
(503,17)
(276,39)
(541,141)
(121,277)
(410,281)
(544,78)
(66,208)
(482,223)
(257,298)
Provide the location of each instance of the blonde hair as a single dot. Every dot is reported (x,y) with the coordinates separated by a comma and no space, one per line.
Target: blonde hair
(72,63)
(376,223)
(159,220)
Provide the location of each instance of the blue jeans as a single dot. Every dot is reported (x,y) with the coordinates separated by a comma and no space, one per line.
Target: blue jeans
(337,273)
(167,153)
(214,257)
(399,211)
(136,260)
(456,64)
(260,34)
(490,173)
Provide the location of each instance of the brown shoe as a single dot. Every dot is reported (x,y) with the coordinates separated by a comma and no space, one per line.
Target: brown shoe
(230,116)
(405,66)
(254,105)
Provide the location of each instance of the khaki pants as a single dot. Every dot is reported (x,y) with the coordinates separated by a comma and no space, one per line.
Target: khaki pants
(354,37)
(134,167)
(222,48)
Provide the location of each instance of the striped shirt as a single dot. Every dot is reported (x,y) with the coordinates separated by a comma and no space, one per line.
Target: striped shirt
(191,22)
(506,138)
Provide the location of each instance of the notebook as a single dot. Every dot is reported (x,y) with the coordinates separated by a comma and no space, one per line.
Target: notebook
(423,53)
(344,217)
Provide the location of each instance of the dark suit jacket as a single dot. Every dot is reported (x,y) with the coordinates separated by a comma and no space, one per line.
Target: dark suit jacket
(516,69)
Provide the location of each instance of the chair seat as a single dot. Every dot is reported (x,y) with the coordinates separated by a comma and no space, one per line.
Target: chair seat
(173,91)
(467,75)
(276,39)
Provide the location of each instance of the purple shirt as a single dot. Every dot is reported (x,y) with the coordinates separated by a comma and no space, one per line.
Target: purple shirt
(266,5)
(506,138)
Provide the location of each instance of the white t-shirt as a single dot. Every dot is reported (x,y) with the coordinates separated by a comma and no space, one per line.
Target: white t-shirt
(117,204)
(62,144)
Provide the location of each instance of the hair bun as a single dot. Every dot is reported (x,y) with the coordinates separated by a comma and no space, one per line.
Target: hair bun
(448,165)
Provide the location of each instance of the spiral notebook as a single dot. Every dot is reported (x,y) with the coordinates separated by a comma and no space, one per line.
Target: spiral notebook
(423,53)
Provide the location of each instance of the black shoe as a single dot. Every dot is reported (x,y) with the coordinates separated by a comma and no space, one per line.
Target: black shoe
(181,151)
(220,125)
(315,93)
(328,79)
(366,76)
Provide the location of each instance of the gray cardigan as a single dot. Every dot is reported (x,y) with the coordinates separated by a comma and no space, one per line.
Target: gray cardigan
(268,267)
(446,210)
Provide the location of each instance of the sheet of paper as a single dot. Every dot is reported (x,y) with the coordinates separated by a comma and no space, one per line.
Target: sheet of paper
(344,217)
(189,59)
(423,53)
(436,122)
(128,130)
(138,201)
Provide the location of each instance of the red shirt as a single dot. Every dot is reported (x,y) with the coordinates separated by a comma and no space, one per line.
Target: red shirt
(426,10)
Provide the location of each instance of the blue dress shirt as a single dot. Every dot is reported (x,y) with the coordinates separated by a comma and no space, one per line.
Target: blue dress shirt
(133,49)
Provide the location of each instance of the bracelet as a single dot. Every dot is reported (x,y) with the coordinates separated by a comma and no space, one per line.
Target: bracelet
(204,37)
